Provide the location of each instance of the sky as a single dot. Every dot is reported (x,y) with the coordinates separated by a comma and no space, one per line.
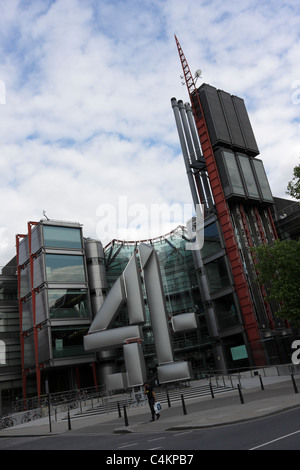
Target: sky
(87,132)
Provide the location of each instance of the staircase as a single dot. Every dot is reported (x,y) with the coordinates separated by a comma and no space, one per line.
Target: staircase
(115,403)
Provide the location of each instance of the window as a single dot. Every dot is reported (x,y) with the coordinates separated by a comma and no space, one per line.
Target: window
(217,274)
(234,174)
(68,340)
(263,182)
(249,177)
(2,353)
(62,237)
(68,303)
(226,312)
(8,289)
(64,268)
(211,240)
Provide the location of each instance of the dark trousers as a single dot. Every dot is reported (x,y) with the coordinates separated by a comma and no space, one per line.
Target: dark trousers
(151,405)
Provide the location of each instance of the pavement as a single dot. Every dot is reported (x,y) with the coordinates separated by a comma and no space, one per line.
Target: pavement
(233,406)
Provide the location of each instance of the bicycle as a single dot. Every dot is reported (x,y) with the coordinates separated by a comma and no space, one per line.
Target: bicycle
(28,417)
(7,422)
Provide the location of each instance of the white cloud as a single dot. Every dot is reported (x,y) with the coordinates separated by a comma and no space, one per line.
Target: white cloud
(88,119)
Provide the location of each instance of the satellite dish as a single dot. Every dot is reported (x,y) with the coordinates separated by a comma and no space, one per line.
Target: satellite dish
(197,75)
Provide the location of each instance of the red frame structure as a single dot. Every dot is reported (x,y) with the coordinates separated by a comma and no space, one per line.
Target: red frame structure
(224,218)
(35,326)
(19,268)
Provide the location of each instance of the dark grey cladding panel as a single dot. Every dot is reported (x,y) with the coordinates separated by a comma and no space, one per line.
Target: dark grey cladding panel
(227,120)
(44,344)
(232,120)
(214,116)
(245,124)
(224,177)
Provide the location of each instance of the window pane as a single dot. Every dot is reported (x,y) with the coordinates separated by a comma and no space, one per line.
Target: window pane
(68,303)
(217,275)
(211,240)
(68,341)
(226,312)
(249,177)
(62,237)
(263,182)
(233,173)
(64,268)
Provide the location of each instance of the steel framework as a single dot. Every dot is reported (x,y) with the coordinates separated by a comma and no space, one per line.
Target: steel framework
(223,211)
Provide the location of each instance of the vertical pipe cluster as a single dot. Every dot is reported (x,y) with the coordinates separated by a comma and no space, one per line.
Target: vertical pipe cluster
(192,155)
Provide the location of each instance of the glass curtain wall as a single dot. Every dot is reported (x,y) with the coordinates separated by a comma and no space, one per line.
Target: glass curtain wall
(64,303)
(181,290)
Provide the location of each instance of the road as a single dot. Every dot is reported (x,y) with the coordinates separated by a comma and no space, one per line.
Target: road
(277,432)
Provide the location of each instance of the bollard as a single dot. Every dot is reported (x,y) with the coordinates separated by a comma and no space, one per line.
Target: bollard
(168,398)
(119,410)
(69,420)
(240,393)
(183,405)
(261,383)
(125,415)
(49,413)
(294,383)
(211,390)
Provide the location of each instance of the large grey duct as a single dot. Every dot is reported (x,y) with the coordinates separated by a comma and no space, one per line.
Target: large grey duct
(195,137)
(182,140)
(193,147)
(199,156)
(96,273)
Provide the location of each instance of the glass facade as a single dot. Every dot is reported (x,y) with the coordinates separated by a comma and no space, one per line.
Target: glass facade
(217,274)
(62,237)
(8,289)
(248,176)
(233,173)
(212,242)
(67,340)
(226,312)
(62,268)
(68,303)
(182,295)
(9,324)
(59,302)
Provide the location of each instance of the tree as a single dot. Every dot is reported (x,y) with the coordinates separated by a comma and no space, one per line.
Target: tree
(293,187)
(279,271)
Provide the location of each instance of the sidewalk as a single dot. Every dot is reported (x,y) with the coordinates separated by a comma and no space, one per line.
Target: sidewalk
(278,395)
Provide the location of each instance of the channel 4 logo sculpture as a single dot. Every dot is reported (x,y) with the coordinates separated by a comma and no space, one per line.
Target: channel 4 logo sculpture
(128,287)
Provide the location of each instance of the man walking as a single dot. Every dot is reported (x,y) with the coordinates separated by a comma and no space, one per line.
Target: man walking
(149,392)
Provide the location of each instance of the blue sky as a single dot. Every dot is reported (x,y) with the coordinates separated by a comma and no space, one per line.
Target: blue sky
(87,116)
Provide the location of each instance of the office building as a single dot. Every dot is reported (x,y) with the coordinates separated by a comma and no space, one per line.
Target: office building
(54,307)
(75,315)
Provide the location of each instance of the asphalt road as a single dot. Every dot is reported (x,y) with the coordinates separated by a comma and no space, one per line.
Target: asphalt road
(277,432)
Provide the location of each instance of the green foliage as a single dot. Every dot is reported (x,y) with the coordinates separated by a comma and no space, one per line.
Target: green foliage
(279,271)
(293,188)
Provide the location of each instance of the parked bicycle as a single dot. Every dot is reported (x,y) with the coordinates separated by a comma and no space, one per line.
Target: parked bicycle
(30,416)
(7,422)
